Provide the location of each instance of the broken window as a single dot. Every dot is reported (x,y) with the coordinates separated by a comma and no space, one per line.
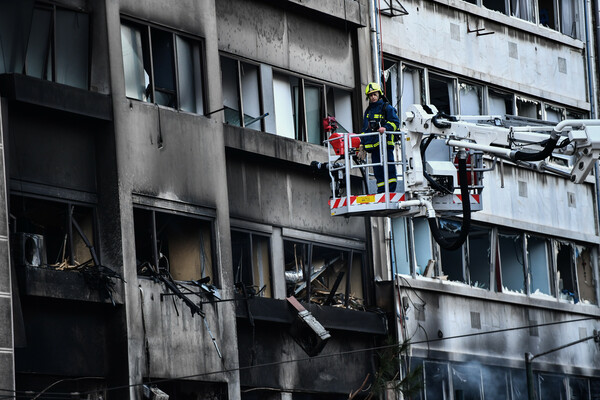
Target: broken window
(552,386)
(511,261)
(58,46)
(518,384)
(441,93)
(58,235)
(528,108)
(496,5)
(585,274)
(162,67)
(437,386)
(471,98)
(547,13)
(471,263)
(324,275)
(565,271)
(553,113)
(538,262)
(466,382)
(252,262)
(177,244)
(500,103)
(241,93)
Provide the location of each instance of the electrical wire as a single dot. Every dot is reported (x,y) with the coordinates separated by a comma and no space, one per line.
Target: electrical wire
(321,356)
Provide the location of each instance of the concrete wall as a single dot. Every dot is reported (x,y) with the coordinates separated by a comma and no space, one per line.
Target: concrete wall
(445,310)
(543,207)
(189,168)
(276,36)
(518,55)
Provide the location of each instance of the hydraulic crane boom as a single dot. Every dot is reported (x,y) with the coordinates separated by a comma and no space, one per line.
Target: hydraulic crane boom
(439,162)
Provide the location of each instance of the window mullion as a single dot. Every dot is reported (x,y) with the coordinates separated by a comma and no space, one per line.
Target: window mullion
(69,222)
(153,238)
(240,94)
(176,71)
(151,61)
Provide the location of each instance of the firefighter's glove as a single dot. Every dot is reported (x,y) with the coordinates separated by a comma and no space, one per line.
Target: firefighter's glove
(362,153)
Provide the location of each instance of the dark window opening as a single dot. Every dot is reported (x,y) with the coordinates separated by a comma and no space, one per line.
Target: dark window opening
(170,243)
(496,5)
(441,93)
(324,275)
(565,271)
(252,262)
(53,234)
(512,262)
(547,13)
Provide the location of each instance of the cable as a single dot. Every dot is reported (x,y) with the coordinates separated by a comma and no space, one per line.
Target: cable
(322,356)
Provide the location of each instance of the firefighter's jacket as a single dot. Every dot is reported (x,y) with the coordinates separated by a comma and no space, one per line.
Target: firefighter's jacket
(379,114)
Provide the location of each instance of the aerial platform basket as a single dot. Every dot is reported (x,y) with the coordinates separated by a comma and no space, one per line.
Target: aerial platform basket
(344,163)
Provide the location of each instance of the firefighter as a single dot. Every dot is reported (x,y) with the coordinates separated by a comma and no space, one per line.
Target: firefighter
(380,116)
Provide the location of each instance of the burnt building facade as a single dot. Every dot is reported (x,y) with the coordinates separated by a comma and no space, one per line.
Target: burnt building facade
(163,232)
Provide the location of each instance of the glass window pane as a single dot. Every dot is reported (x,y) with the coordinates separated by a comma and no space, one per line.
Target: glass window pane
(284,111)
(250,95)
(136,79)
(436,381)
(39,48)
(313,100)
(578,389)
(164,69)
(72,42)
(401,251)
(190,75)
(585,274)
(231,97)
(518,384)
(343,110)
(539,263)
(511,262)
(471,99)
(500,103)
(552,387)
(479,257)
(522,9)
(411,91)
(496,383)
(466,382)
(422,248)
(570,18)
(441,93)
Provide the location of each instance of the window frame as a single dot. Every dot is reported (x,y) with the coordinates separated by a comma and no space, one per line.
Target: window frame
(251,235)
(215,277)
(145,28)
(68,224)
(52,44)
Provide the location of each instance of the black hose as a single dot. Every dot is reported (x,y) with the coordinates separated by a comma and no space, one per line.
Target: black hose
(435,185)
(549,146)
(466,208)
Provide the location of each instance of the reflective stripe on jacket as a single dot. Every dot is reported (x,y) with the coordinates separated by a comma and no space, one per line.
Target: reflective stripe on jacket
(375,112)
